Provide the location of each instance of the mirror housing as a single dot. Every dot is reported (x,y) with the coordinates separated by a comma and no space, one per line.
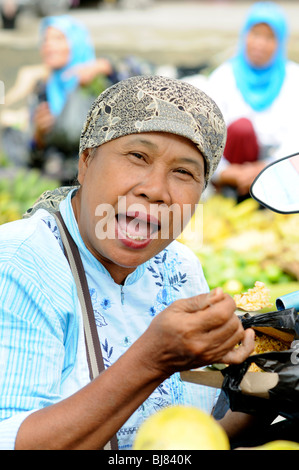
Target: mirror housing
(277,186)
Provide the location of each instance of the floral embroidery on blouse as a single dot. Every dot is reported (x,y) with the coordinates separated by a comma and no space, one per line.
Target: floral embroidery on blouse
(97,307)
(109,351)
(164,269)
(51,223)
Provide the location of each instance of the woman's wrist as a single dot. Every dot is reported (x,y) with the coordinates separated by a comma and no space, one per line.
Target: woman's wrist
(38,140)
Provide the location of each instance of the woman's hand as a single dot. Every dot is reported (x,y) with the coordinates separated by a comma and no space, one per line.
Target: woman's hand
(86,73)
(195,332)
(241,176)
(247,174)
(44,122)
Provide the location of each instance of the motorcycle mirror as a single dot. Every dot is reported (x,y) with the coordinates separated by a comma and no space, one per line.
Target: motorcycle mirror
(277,186)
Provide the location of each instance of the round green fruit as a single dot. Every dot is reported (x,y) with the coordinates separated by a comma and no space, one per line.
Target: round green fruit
(279,445)
(181,428)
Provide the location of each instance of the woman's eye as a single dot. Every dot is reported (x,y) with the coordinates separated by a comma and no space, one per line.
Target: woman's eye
(182,171)
(137,155)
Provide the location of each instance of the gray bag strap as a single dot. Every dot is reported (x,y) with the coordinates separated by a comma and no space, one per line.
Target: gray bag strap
(93,347)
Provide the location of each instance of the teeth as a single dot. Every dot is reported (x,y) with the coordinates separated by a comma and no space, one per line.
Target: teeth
(135,237)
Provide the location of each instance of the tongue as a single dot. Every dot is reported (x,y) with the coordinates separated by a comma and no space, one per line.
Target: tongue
(134,226)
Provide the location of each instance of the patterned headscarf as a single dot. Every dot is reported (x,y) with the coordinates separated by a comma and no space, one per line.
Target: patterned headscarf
(160,104)
(149,104)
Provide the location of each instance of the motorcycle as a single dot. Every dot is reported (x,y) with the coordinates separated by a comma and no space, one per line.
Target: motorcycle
(277,185)
(277,188)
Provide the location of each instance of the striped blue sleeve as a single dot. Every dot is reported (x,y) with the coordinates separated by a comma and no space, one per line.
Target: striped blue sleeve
(9,429)
(32,351)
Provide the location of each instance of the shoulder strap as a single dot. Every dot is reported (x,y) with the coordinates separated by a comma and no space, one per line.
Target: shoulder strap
(93,347)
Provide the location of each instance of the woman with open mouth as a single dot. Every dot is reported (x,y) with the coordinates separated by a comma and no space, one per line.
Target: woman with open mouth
(147,151)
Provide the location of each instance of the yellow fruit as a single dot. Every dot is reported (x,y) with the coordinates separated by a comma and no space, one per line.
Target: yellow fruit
(181,428)
(278,445)
(233,286)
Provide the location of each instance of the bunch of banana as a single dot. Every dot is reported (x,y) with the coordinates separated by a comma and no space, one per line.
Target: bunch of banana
(9,210)
(241,244)
(19,192)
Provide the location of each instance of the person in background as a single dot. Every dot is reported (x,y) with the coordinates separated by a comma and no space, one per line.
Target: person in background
(69,56)
(257,91)
(9,10)
(60,92)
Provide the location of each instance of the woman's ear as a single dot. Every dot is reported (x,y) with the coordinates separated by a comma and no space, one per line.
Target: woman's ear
(84,160)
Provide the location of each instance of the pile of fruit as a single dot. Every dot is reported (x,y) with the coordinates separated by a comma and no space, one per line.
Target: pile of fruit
(242,243)
(19,191)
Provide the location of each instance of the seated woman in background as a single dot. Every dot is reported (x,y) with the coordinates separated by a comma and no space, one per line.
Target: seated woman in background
(60,92)
(59,111)
(255,91)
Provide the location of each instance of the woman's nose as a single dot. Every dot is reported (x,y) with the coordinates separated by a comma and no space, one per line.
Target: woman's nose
(154,187)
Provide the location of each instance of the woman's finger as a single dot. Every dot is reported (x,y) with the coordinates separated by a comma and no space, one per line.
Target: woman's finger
(201,302)
(239,354)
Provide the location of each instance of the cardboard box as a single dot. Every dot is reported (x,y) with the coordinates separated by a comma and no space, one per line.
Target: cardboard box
(253,383)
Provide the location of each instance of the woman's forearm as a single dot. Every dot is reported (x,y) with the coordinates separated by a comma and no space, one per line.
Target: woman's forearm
(189,333)
(90,417)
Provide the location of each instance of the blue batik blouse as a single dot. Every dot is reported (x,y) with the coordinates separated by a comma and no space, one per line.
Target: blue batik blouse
(42,348)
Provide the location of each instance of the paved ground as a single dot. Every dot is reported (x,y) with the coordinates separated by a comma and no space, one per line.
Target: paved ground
(166,32)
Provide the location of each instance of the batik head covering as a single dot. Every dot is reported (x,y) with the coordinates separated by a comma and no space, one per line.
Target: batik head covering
(149,104)
(261,85)
(60,84)
(157,104)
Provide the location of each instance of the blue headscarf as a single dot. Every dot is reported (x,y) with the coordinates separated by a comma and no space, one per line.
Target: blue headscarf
(59,86)
(261,85)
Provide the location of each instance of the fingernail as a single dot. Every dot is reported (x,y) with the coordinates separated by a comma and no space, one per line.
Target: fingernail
(212,294)
(216,291)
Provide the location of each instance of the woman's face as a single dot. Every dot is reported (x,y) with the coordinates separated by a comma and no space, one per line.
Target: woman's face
(261,44)
(55,49)
(137,194)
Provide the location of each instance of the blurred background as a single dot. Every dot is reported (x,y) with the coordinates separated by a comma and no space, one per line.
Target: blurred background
(241,243)
(178,32)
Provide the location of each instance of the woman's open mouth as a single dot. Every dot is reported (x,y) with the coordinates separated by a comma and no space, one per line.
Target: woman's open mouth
(136,229)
